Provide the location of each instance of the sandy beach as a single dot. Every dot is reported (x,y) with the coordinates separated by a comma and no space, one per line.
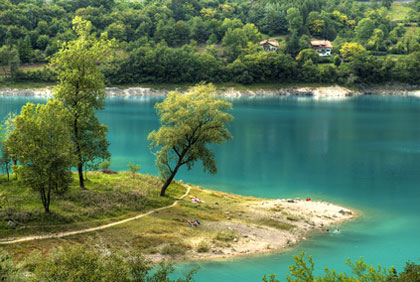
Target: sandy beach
(252,238)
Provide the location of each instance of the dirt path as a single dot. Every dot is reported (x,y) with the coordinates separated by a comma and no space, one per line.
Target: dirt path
(69,233)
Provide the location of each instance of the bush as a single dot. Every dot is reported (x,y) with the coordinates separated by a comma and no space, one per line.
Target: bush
(44,75)
(203,247)
(225,236)
(174,249)
(8,271)
(83,263)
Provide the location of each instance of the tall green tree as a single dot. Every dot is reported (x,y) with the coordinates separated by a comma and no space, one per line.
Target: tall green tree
(9,60)
(81,89)
(5,159)
(189,122)
(295,20)
(40,141)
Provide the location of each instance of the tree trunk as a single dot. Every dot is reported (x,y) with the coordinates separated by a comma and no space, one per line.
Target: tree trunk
(7,172)
(169,180)
(78,152)
(45,202)
(81,180)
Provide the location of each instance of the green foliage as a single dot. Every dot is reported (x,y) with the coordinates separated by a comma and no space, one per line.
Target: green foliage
(5,159)
(203,247)
(133,168)
(83,263)
(8,270)
(42,148)
(303,268)
(9,60)
(225,236)
(174,249)
(104,165)
(163,41)
(80,89)
(189,122)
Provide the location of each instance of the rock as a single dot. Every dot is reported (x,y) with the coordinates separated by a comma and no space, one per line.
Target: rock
(216,203)
(235,240)
(227,212)
(344,212)
(245,236)
(11,223)
(290,200)
(109,171)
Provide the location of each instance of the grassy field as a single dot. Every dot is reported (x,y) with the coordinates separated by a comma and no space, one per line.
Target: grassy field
(113,197)
(31,67)
(107,198)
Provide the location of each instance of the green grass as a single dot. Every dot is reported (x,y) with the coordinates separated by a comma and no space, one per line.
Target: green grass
(399,12)
(107,198)
(25,85)
(110,198)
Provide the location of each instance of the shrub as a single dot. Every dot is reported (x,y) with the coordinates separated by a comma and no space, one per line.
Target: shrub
(203,247)
(225,236)
(83,263)
(174,249)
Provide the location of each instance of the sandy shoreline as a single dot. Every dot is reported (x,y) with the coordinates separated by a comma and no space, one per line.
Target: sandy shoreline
(307,217)
(230,226)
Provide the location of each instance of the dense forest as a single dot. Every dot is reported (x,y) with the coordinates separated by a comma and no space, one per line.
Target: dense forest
(180,41)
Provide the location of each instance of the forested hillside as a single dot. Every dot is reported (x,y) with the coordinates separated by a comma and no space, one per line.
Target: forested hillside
(190,41)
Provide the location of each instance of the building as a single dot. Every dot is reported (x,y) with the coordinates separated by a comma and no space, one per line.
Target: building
(323,47)
(269,45)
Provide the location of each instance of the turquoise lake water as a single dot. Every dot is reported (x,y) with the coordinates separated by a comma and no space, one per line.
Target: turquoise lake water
(361,152)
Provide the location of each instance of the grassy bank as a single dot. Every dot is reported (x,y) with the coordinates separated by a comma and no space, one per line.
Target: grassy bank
(230,225)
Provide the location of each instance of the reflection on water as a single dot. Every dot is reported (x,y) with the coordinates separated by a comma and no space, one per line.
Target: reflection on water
(362,152)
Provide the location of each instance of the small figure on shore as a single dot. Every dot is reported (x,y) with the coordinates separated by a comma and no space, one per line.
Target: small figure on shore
(193,223)
(337,231)
(327,230)
(322,230)
(308,199)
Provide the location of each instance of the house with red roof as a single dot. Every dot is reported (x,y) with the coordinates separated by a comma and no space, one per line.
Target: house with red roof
(323,47)
(269,45)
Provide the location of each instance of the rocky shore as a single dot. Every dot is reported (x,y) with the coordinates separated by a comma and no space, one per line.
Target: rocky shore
(321,92)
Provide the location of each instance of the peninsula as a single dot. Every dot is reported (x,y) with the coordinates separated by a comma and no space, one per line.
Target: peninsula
(191,223)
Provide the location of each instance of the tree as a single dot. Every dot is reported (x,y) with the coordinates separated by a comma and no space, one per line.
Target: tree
(188,123)
(350,49)
(25,49)
(40,141)
(133,168)
(387,3)
(303,268)
(308,54)
(364,29)
(80,88)
(9,60)
(295,20)
(5,159)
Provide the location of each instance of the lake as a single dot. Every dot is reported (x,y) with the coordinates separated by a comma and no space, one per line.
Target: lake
(361,152)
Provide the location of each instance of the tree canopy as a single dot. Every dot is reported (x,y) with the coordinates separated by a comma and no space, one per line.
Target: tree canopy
(189,122)
(42,148)
(81,90)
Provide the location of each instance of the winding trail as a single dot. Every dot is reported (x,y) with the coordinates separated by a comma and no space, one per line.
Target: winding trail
(69,233)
